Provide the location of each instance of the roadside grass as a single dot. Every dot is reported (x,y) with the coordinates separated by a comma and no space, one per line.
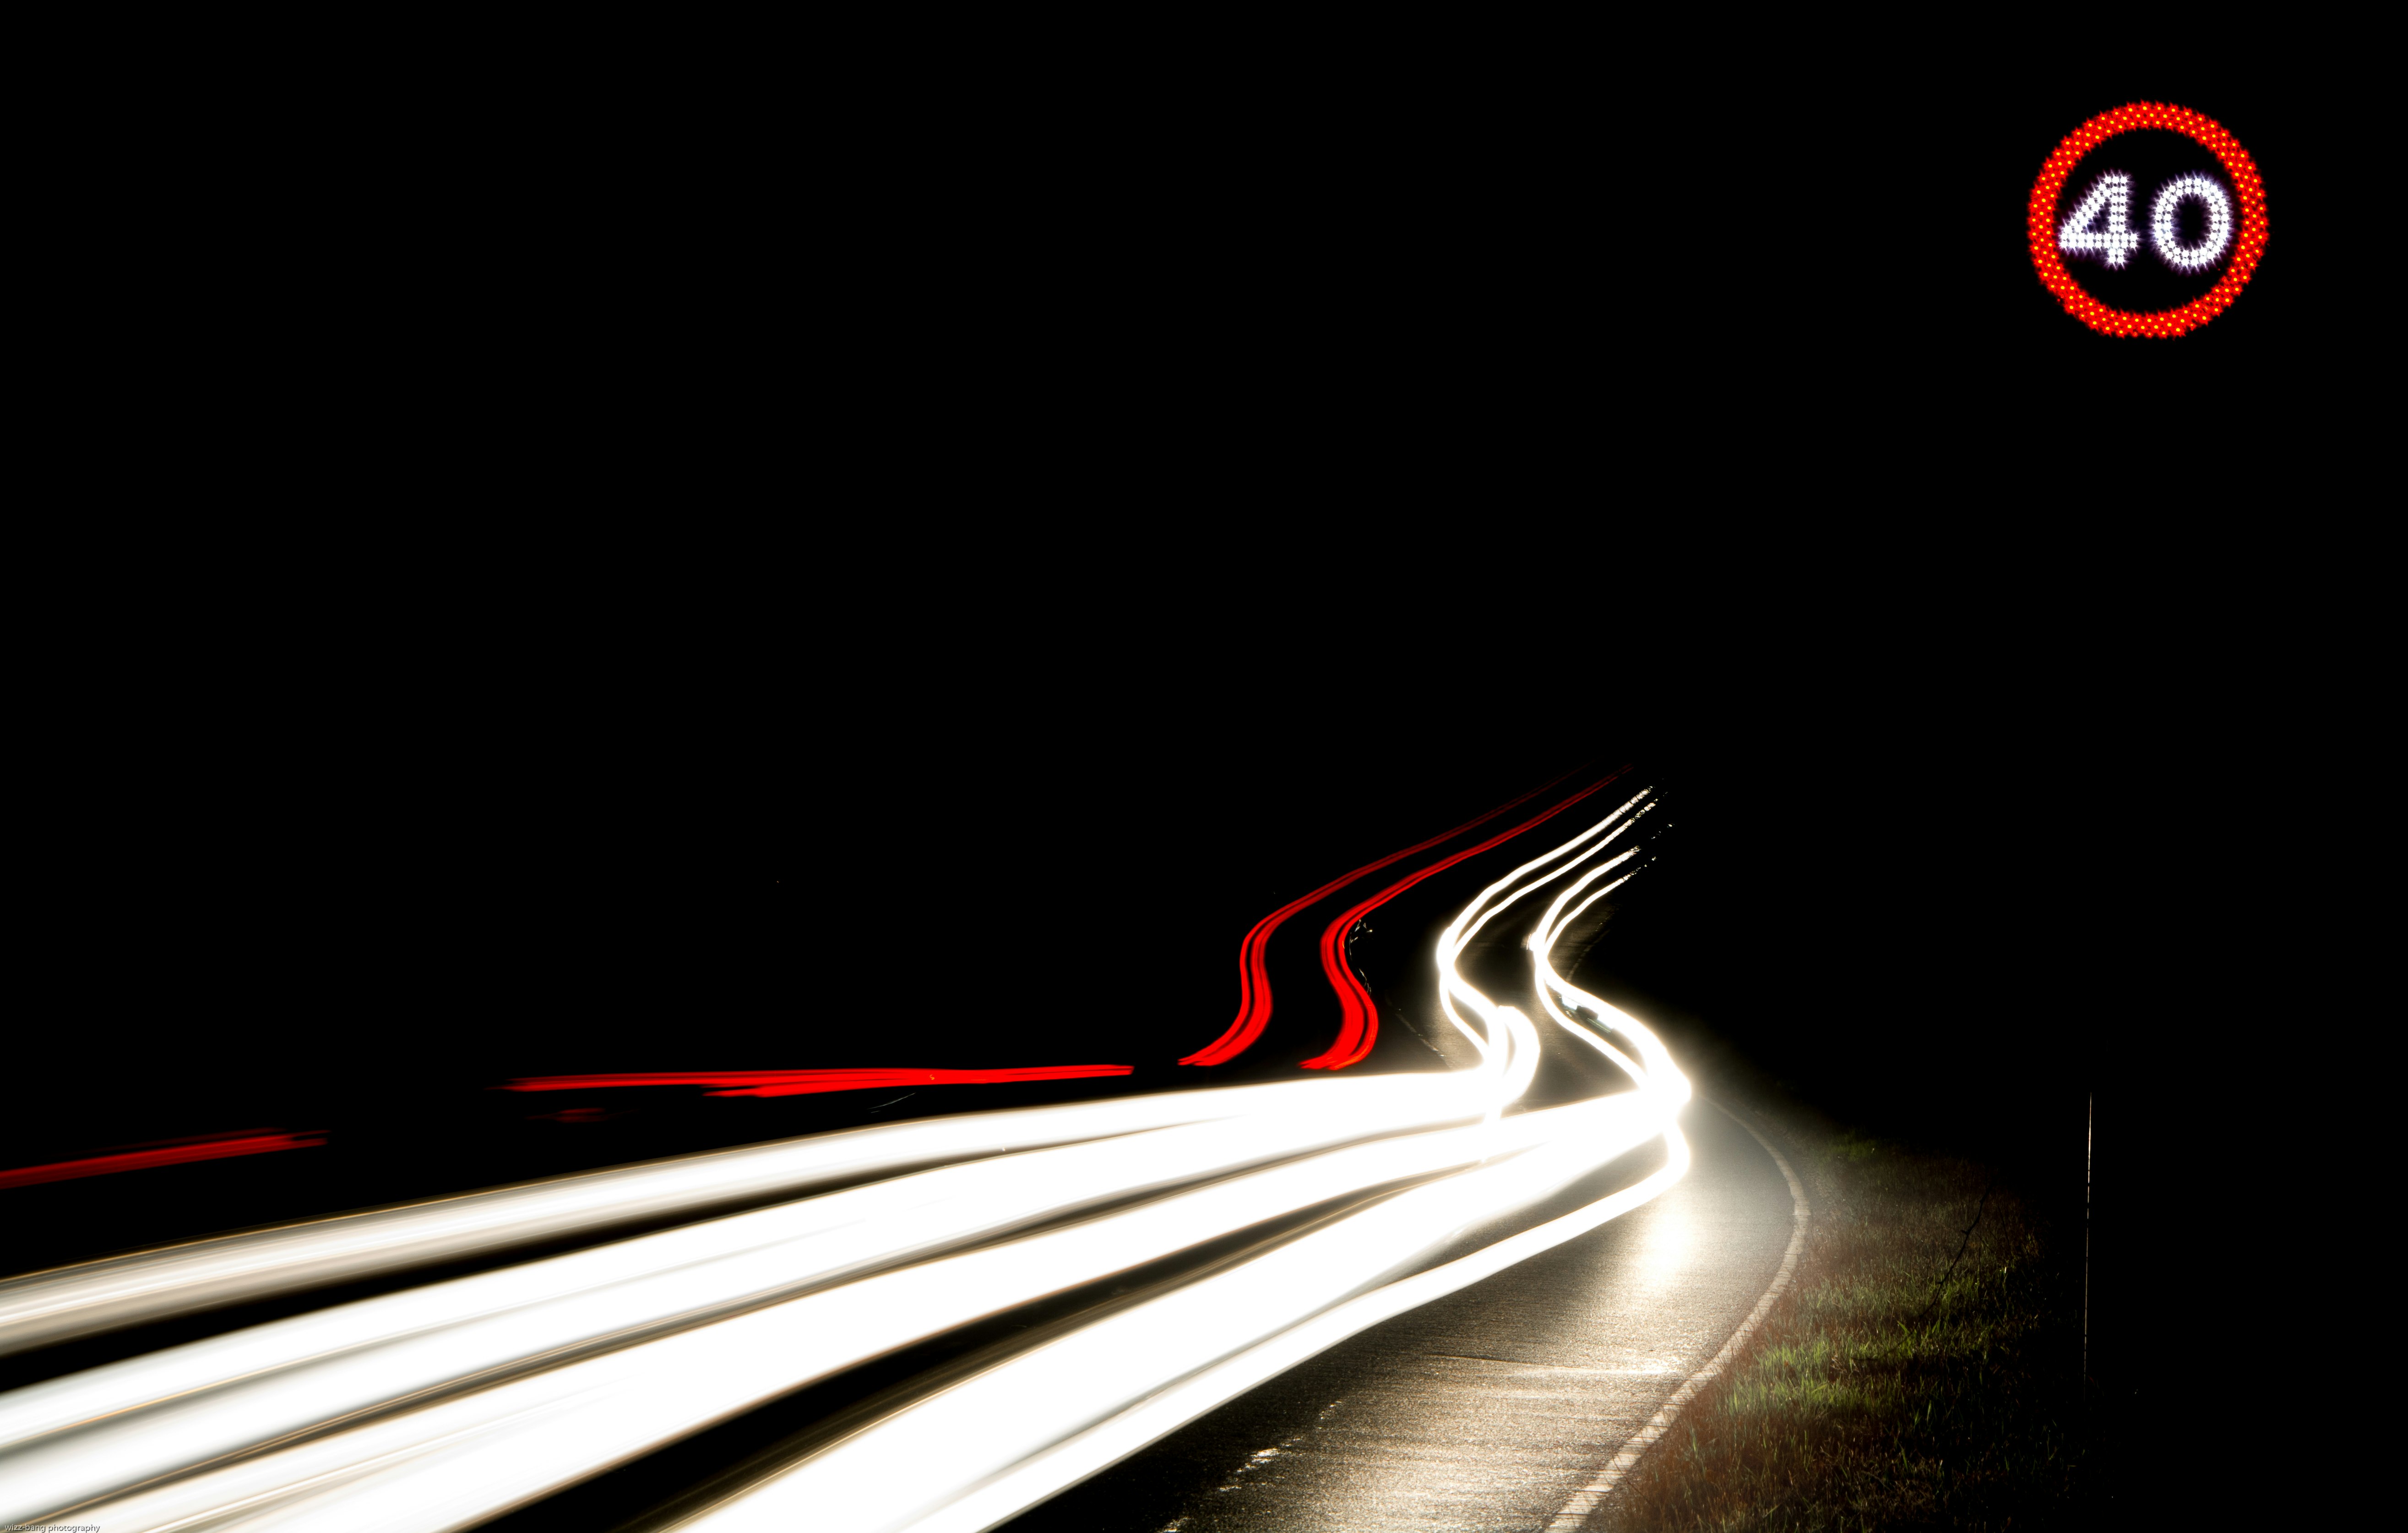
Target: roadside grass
(1921,1372)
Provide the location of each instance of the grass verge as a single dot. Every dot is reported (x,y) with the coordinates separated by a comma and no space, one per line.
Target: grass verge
(1922,1371)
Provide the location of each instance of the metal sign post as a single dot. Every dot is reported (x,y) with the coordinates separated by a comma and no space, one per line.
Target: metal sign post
(2089,1126)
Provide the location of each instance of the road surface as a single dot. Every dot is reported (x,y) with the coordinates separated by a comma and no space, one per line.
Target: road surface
(1489,1409)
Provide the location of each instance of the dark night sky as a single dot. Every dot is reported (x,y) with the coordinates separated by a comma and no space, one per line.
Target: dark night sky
(1142,523)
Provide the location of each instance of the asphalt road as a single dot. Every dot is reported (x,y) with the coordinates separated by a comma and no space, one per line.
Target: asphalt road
(1489,1409)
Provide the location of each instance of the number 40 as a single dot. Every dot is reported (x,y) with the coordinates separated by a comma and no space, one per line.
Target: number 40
(2109,202)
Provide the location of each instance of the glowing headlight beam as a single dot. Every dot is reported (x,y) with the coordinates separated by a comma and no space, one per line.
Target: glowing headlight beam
(1657,1073)
(44,1308)
(1045,1474)
(597,1411)
(1491,901)
(1555,934)
(1359,1020)
(94,1432)
(912,1469)
(1503,894)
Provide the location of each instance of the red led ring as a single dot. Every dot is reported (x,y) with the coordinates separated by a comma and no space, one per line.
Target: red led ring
(2249,249)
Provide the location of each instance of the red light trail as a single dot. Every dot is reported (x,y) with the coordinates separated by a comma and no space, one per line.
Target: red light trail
(1359,1026)
(1253,978)
(205,1147)
(804,1082)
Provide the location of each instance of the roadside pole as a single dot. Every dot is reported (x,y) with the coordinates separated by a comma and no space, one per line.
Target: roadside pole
(2090,1127)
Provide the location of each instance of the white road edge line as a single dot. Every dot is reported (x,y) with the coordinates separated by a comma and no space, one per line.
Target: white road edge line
(1584,1502)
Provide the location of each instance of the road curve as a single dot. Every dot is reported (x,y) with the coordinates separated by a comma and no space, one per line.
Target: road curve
(1490,1409)
(1360,1202)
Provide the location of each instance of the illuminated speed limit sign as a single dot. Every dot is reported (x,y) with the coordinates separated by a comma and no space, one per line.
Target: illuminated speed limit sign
(2148,221)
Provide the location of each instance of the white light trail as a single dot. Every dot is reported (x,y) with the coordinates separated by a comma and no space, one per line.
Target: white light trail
(439,1407)
(49,1306)
(97,1431)
(912,1466)
(980,1451)
(1491,902)
(1045,1474)
(627,1401)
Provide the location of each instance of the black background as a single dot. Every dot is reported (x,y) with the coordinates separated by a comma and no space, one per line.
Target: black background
(909,563)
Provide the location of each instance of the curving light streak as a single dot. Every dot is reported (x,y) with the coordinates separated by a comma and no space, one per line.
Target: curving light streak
(1576,912)
(533,1376)
(1492,902)
(89,1297)
(1653,1070)
(1254,975)
(1358,1025)
(917,1462)
(107,1428)
(975,1453)
(632,1400)
(1044,1474)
